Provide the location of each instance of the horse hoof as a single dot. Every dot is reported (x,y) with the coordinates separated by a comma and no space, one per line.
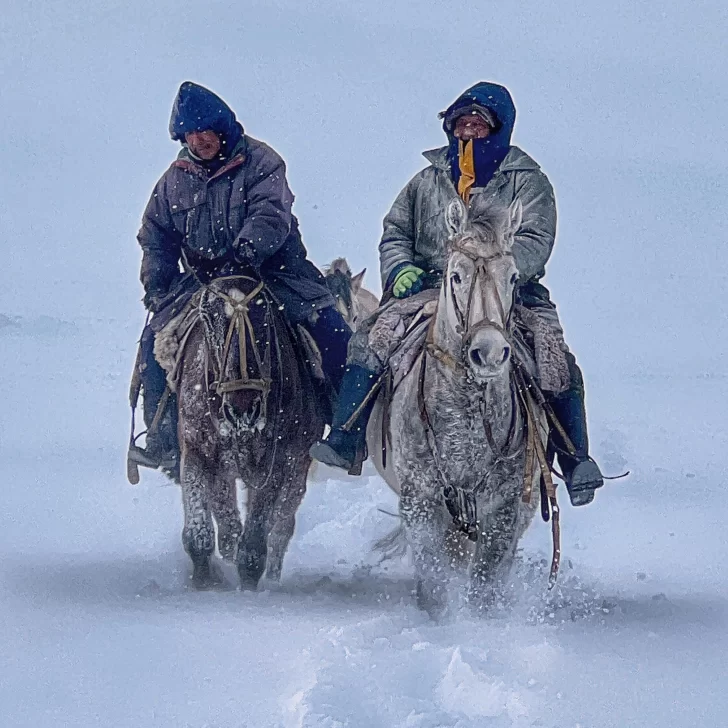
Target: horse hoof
(248,582)
(433,601)
(273,575)
(206,577)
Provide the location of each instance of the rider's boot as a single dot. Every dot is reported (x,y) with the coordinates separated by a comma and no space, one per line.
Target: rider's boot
(346,448)
(581,473)
(161,449)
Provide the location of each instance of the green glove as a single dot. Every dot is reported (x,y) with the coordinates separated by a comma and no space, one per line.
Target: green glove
(408,281)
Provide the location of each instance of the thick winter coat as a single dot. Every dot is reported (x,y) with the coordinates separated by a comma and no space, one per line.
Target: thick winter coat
(415,230)
(240,212)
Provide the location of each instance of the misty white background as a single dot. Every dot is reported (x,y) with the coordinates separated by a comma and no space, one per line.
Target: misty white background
(623,104)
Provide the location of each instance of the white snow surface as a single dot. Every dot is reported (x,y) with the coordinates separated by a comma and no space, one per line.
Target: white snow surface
(624,106)
(100,628)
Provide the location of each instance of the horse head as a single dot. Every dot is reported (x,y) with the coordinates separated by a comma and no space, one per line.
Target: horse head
(345,289)
(478,290)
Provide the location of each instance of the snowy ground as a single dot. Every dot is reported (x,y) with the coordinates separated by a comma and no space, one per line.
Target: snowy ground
(100,629)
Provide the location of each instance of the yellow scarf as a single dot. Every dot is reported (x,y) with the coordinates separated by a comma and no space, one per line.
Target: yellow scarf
(467,169)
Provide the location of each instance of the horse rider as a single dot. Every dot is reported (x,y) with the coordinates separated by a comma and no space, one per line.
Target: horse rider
(223,208)
(482,167)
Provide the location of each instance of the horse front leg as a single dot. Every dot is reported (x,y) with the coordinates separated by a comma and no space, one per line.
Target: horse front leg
(284,516)
(253,544)
(424,517)
(224,503)
(198,534)
(494,553)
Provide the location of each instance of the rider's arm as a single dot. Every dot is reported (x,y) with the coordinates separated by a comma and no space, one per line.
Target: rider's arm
(160,242)
(397,247)
(535,238)
(268,219)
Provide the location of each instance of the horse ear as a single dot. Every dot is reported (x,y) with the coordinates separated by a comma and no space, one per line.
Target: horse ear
(515,217)
(456,216)
(357,280)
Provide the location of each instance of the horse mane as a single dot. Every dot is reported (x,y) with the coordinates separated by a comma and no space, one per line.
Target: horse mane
(339,266)
(490,227)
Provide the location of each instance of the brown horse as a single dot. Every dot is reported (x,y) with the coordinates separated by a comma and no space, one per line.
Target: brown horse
(248,413)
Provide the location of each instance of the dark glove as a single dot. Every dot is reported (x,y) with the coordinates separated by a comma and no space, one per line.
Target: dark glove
(246,255)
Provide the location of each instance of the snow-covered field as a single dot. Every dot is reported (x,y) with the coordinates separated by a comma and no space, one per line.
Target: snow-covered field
(99,627)
(624,105)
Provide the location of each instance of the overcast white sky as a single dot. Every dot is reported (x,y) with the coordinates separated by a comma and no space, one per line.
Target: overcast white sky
(622,103)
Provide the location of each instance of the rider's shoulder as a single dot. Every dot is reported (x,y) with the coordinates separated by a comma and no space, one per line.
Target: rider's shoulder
(437,159)
(260,154)
(518,161)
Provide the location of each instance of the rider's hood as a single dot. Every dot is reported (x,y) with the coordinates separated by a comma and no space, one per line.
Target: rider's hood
(497,107)
(494,98)
(199,109)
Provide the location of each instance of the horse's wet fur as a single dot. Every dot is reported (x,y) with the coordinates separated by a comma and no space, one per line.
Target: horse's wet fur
(448,445)
(263,444)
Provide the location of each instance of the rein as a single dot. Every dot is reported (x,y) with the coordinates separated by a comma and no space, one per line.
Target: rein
(241,325)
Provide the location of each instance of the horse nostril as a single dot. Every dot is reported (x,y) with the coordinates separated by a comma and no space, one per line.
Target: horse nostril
(476,358)
(506,354)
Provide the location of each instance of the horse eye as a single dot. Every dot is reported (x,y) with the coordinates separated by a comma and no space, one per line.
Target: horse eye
(455,278)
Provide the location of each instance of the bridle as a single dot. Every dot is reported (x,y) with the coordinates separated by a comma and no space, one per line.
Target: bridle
(467,328)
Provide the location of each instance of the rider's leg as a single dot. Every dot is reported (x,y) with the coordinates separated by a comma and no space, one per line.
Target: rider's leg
(331,334)
(581,473)
(346,448)
(161,444)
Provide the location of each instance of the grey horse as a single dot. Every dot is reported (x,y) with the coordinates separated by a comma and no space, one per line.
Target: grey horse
(457,430)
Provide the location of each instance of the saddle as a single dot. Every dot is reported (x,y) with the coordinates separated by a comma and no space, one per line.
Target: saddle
(538,341)
(171,339)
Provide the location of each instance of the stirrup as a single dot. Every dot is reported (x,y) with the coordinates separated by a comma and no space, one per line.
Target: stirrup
(140,456)
(359,458)
(326,454)
(583,480)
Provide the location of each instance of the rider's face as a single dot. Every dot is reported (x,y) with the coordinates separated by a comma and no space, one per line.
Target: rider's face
(472,126)
(203,144)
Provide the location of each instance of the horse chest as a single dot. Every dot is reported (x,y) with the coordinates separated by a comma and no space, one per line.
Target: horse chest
(460,440)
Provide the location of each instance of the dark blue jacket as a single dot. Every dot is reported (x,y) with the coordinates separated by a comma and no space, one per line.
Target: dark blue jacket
(235,211)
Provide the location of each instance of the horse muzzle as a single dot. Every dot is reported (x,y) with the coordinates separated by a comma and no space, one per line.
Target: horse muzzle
(488,352)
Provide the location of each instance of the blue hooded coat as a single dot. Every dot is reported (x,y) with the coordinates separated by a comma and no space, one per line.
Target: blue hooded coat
(218,216)
(415,229)
(488,153)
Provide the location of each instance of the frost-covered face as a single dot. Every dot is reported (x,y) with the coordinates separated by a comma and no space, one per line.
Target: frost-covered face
(472,126)
(203,144)
(480,283)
